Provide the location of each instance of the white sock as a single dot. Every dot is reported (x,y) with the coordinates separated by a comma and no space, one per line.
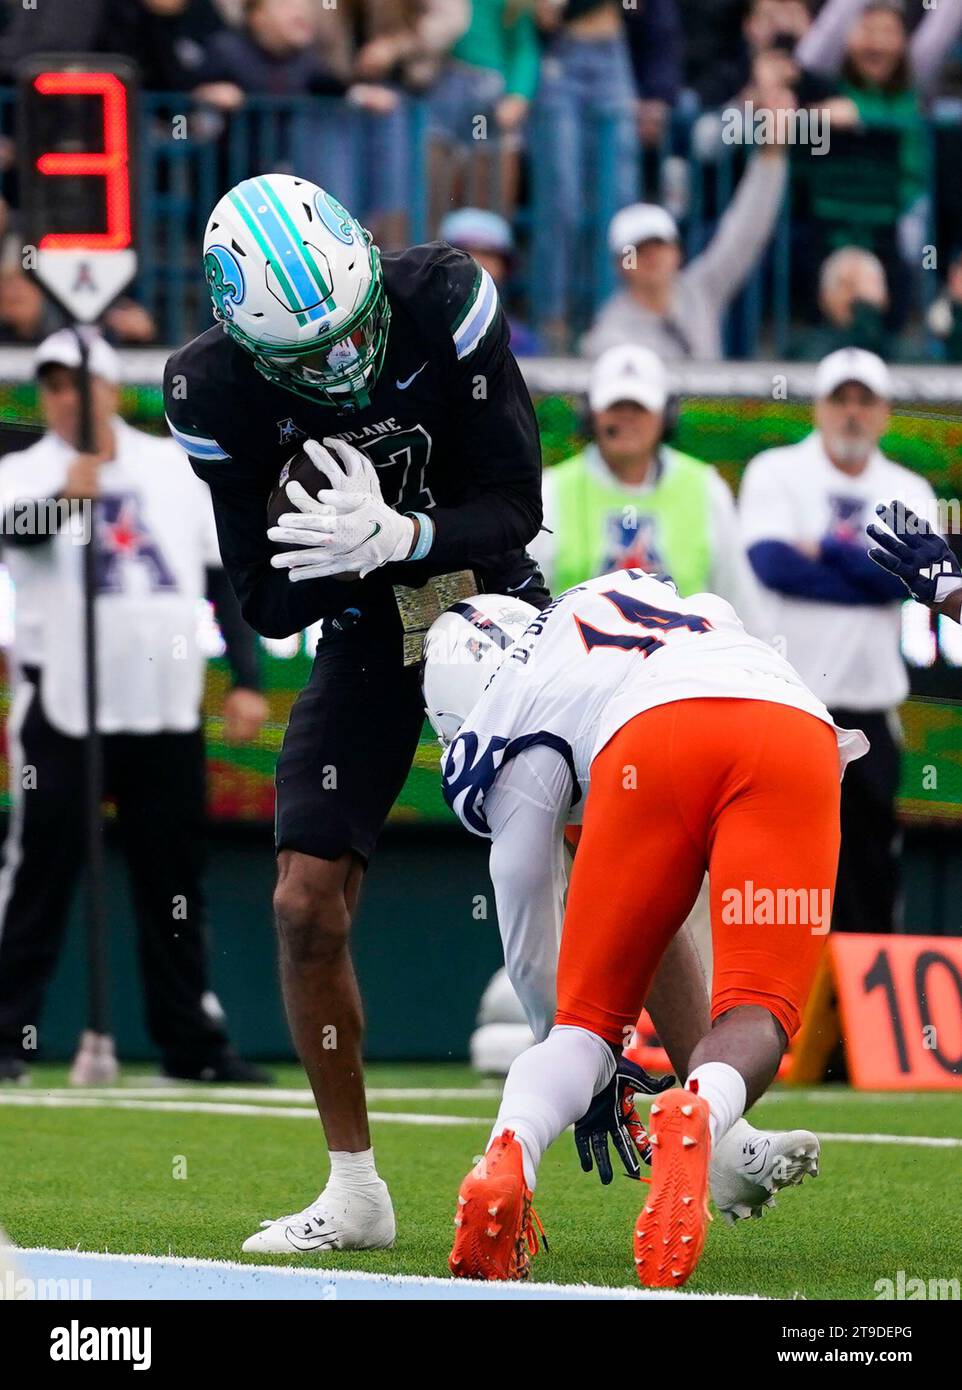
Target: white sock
(352,1170)
(549,1087)
(724,1090)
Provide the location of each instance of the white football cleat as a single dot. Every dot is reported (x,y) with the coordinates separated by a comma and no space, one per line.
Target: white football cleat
(750,1165)
(340,1219)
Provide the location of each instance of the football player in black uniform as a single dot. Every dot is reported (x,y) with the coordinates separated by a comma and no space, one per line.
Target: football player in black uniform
(429,474)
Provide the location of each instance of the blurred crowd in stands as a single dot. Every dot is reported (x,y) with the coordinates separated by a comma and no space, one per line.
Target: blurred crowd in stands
(584,150)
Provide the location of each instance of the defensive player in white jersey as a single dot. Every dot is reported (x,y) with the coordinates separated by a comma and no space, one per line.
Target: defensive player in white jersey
(528,803)
(690,746)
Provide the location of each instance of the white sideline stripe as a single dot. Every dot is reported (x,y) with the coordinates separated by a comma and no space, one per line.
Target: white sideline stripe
(399,1117)
(201,1107)
(916,1141)
(158,1086)
(302,1095)
(387,1282)
(842,1095)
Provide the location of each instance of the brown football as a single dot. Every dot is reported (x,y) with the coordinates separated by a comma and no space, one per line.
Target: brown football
(299,468)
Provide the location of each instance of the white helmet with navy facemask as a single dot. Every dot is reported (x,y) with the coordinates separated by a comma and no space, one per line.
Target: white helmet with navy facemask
(462,651)
(297,283)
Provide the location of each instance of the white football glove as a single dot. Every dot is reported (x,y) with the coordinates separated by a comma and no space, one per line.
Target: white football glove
(349,472)
(348,526)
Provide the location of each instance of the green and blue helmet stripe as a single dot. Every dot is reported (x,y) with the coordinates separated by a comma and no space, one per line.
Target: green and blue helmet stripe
(294,244)
(254,227)
(285,254)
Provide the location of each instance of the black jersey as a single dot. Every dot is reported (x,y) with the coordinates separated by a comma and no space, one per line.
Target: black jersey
(450,429)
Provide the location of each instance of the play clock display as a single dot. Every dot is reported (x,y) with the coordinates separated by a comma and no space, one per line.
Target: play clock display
(77,146)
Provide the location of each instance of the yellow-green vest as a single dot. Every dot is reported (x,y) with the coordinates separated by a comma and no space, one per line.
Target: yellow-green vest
(679,505)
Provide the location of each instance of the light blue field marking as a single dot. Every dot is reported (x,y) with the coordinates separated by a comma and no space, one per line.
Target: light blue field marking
(150,1277)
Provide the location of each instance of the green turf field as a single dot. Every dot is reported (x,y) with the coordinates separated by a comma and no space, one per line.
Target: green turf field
(104,1176)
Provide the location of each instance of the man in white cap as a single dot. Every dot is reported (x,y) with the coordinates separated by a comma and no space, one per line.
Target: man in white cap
(631,500)
(803,511)
(678,310)
(155,543)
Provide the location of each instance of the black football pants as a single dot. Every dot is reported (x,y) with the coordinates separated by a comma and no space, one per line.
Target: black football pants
(867,891)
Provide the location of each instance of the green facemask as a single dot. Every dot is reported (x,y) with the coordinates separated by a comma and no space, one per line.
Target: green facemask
(337,368)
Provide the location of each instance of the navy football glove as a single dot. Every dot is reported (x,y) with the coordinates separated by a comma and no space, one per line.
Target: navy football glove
(915,553)
(612,1115)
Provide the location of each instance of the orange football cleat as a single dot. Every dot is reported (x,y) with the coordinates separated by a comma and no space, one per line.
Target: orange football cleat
(496,1234)
(672,1225)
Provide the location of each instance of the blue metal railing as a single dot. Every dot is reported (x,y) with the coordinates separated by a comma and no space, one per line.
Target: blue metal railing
(189,154)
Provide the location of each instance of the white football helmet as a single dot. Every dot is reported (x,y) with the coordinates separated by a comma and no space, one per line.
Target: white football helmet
(296,281)
(462,651)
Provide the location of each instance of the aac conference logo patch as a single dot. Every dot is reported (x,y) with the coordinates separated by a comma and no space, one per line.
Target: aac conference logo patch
(226,280)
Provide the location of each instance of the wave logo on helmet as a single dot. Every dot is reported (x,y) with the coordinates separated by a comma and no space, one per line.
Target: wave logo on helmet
(225,279)
(335,217)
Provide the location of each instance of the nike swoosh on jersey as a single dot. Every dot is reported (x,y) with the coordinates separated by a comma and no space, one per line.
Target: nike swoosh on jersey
(403,385)
(516,588)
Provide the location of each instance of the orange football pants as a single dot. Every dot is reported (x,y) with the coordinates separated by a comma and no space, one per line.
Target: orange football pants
(748,790)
